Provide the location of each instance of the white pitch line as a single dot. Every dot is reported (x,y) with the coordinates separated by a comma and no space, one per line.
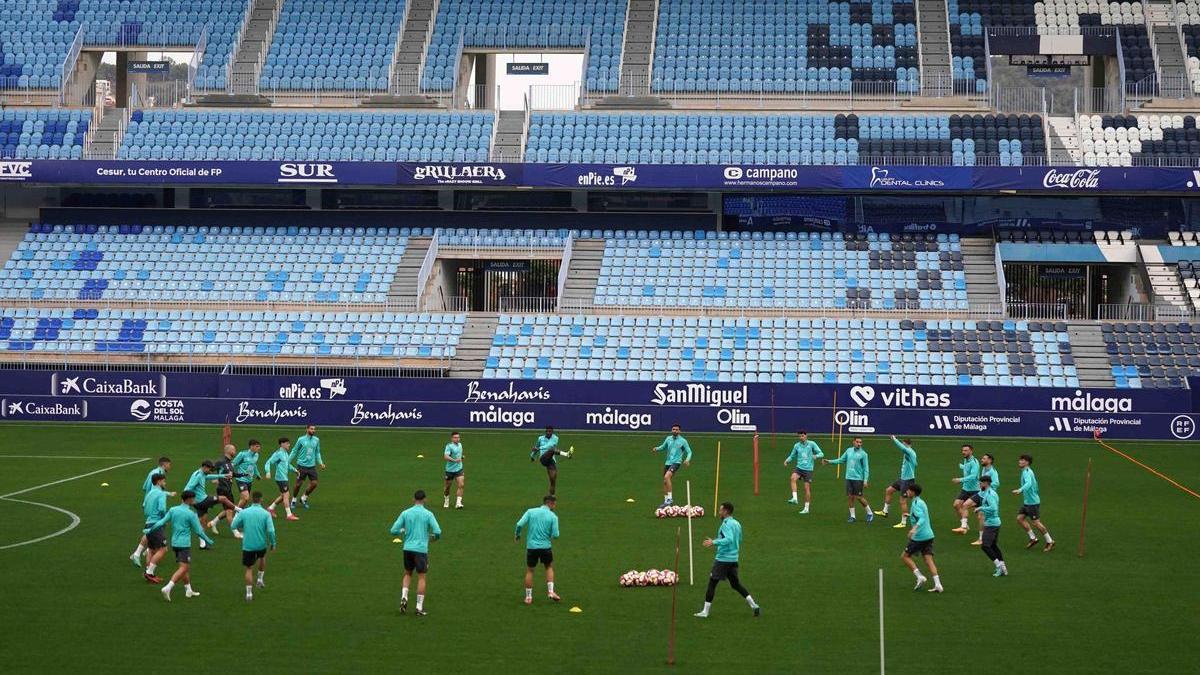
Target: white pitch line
(74,523)
(74,518)
(63,457)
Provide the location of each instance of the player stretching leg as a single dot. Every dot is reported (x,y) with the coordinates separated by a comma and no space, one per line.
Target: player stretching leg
(546,450)
(858,476)
(541,528)
(803,452)
(970,487)
(453,454)
(1031,506)
(987,467)
(164,465)
(989,509)
(417,525)
(184,524)
(920,540)
(679,453)
(306,456)
(203,503)
(908,475)
(725,566)
(154,507)
(278,466)
(225,468)
(258,532)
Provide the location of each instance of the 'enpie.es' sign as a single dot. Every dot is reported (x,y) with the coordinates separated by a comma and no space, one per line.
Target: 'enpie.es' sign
(529,69)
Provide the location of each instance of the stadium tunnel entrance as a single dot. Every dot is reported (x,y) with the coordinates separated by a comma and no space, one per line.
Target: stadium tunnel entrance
(500,285)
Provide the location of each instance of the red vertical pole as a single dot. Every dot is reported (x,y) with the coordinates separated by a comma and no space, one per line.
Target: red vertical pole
(755,465)
(674,595)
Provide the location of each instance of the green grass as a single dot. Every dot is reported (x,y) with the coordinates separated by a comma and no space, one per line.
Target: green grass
(75,602)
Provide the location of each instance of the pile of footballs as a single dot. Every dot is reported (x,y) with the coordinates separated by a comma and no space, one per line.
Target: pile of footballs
(649,578)
(679,511)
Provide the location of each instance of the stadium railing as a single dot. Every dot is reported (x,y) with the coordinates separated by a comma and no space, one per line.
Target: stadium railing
(779,308)
(431,257)
(392,305)
(68,69)
(1143,312)
(564,265)
(283,365)
(528,305)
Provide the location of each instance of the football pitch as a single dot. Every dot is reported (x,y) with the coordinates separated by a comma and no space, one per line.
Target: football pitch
(73,601)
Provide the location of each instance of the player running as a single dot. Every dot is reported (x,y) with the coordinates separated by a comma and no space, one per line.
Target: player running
(908,476)
(725,566)
(258,532)
(184,524)
(679,453)
(541,527)
(417,525)
(858,476)
(154,507)
(1031,505)
(453,454)
(204,503)
(278,465)
(989,510)
(306,456)
(920,540)
(970,487)
(163,466)
(803,452)
(987,467)
(224,467)
(245,471)
(546,450)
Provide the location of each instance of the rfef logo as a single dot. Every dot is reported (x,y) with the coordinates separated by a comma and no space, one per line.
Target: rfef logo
(306,172)
(16,171)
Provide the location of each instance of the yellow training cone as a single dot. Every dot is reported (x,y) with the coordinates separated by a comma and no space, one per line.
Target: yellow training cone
(104,485)
(629,501)
(397,540)
(420,456)
(576,610)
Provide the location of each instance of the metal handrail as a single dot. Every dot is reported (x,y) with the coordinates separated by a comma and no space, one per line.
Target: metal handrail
(237,40)
(431,256)
(196,60)
(565,264)
(780,309)
(108,304)
(70,63)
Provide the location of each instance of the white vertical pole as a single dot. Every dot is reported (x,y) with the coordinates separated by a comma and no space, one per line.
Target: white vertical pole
(691,569)
(881,660)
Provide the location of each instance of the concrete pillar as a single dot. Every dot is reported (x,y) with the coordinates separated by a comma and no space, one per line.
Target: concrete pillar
(121,86)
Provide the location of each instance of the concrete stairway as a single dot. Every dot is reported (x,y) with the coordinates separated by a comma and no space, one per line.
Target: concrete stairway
(105,141)
(410,51)
(933,44)
(979,262)
(471,355)
(1170,59)
(403,288)
(1064,142)
(1091,360)
(508,143)
(248,54)
(583,273)
(11,236)
(641,21)
(1167,286)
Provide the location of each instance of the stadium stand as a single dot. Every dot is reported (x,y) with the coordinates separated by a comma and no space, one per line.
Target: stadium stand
(43,133)
(710,138)
(884,351)
(784,271)
(502,238)
(1146,355)
(309,136)
(785,46)
(597,27)
(224,333)
(333,45)
(1139,140)
(36,37)
(225,264)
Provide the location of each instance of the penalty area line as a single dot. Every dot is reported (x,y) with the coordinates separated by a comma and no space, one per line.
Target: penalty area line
(75,519)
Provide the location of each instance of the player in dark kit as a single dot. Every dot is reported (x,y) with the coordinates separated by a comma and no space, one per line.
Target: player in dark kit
(546,451)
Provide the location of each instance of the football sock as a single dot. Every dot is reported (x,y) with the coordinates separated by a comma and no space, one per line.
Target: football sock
(937,580)
(150,568)
(750,601)
(1048,538)
(885,508)
(187,587)
(795,497)
(169,586)
(458,501)
(249,591)
(528,593)
(668,496)
(962,522)
(137,552)
(917,574)
(851,511)
(404,593)
(903,518)
(707,606)
(549,586)
(805,506)
(420,601)
(1032,536)
(260,576)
